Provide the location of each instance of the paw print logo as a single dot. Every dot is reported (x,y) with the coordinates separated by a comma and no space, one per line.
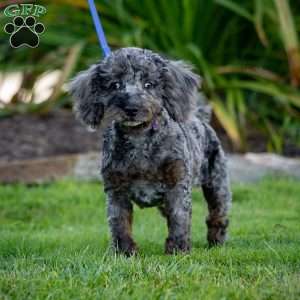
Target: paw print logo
(24,32)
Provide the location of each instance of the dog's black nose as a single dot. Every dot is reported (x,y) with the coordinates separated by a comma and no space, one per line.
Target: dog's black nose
(131,111)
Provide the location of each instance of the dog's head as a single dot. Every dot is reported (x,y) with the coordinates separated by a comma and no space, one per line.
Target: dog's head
(131,87)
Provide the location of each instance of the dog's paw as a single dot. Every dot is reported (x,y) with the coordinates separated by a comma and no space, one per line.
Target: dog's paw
(175,246)
(126,247)
(216,232)
(216,237)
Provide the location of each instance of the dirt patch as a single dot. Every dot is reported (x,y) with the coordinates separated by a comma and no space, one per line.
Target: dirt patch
(32,136)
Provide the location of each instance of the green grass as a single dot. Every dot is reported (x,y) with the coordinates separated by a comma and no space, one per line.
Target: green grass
(54,244)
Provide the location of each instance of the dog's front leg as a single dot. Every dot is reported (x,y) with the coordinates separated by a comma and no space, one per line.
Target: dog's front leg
(178,210)
(119,211)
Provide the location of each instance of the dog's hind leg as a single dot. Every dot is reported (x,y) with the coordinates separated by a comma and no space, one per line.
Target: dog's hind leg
(216,189)
(119,211)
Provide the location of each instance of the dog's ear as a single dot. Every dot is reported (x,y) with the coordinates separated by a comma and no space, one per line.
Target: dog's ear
(180,89)
(87,106)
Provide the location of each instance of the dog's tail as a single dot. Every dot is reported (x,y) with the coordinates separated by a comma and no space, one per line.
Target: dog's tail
(203,109)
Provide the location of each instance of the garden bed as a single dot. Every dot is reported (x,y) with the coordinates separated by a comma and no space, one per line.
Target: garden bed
(58,133)
(34,136)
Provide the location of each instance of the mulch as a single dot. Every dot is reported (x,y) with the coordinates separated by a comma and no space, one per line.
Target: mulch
(33,136)
(58,133)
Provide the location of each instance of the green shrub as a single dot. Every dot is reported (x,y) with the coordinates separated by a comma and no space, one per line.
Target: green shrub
(247,53)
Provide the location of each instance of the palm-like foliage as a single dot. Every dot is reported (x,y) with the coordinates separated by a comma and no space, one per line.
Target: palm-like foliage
(242,49)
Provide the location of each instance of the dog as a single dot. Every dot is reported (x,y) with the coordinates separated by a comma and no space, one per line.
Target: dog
(155,145)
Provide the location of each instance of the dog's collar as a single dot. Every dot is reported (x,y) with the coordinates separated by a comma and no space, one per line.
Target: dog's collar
(154,124)
(158,121)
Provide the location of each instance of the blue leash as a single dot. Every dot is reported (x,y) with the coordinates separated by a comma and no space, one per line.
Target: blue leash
(99,28)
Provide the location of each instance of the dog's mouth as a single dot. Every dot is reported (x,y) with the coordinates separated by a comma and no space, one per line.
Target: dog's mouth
(135,125)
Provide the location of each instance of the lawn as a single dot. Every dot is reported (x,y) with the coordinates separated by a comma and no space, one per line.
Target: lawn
(54,244)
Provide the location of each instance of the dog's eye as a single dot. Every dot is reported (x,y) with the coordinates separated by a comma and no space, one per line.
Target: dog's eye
(116,85)
(148,85)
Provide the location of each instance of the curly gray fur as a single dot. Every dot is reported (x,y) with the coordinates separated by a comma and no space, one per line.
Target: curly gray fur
(156,146)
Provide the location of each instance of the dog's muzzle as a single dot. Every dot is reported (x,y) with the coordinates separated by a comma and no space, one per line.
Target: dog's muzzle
(138,112)
(137,116)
